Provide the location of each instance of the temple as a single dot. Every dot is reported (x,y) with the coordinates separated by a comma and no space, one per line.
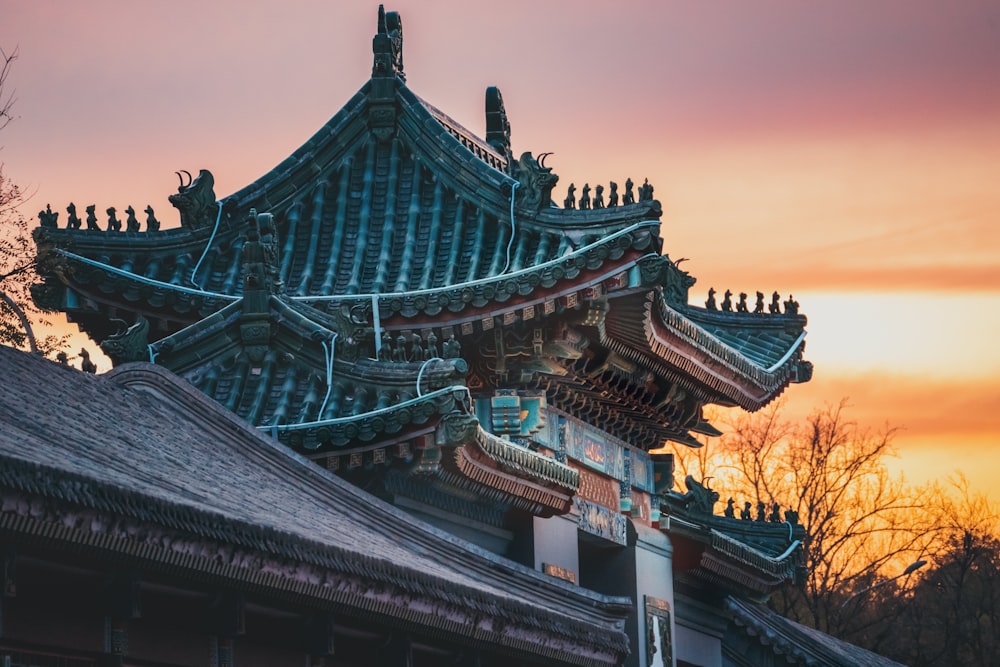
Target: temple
(401,361)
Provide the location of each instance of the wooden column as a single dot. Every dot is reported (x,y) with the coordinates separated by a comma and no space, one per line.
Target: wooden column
(229,611)
(8,580)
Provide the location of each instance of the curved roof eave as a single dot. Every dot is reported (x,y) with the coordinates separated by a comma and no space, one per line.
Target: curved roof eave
(721,367)
(666,336)
(331,143)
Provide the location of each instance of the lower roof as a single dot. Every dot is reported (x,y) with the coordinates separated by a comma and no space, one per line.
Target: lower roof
(799,644)
(140,444)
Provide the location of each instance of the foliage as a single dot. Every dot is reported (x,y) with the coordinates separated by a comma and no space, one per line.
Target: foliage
(7,98)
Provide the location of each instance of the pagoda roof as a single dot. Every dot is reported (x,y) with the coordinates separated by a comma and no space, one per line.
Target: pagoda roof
(396,212)
(170,479)
(421,219)
(751,558)
(323,384)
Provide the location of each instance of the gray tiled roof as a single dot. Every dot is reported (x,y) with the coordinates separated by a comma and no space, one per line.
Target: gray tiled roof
(143,444)
(800,644)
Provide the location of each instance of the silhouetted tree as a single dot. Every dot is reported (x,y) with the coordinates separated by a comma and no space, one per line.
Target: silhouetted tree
(18,313)
(861,522)
(952,615)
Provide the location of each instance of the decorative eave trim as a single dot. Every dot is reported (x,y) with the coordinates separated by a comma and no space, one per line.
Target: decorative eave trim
(490,467)
(725,572)
(478,294)
(782,566)
(685,345)
(94,265)
(521,460)
(639,423)
(499,288)
(713,538)
(725,559)
(542,501)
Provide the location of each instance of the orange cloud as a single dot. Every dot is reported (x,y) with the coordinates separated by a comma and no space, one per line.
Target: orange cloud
(949,410)
(942,426)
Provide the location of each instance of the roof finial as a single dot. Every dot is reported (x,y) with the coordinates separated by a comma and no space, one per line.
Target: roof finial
(387,45)
(497,125)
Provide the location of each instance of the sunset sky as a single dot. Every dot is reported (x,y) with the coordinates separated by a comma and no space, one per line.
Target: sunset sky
(845,152)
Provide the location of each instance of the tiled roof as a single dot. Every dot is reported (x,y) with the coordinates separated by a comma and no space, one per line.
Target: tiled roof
(263,362)
(763,338)
(754,557)
(395,209)
(360,400)
(800,645)
(740,359)
(142,445)
(423,218)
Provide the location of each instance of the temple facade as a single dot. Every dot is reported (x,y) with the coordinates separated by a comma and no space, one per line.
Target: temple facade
(402,304)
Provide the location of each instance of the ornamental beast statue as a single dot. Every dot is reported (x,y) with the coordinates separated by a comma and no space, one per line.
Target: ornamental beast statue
(699,497)
(196,200)
(129,343)
(535,182)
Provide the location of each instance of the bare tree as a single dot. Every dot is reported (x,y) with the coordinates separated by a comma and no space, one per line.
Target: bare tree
(18,313)
(861,522)
(952,615)
(752,452)
(7,98)
(870,537)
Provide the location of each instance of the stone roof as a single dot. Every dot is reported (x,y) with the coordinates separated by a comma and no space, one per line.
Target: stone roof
(800,645)
(139,446)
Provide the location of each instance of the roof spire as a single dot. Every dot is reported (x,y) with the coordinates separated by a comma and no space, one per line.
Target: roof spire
(387,45)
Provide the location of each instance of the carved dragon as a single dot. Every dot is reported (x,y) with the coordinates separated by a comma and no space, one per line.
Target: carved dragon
(535,182)
(196,200)
(700,497)
(129,343)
